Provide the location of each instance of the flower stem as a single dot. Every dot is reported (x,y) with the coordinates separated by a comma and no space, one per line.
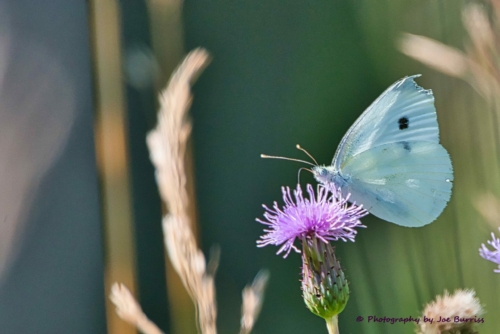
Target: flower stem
(333,325)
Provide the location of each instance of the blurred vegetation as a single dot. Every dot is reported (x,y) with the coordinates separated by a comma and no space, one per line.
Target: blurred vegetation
(301,72)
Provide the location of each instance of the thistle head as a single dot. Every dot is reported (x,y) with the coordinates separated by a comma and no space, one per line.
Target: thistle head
(462,309)
(324,286)
(325,216)
(494,254)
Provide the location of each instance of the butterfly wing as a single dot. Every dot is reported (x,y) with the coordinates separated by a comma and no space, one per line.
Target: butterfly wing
(391,158)
(406,183)
(404,112)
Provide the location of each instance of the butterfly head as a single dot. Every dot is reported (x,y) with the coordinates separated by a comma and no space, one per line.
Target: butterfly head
(324,174)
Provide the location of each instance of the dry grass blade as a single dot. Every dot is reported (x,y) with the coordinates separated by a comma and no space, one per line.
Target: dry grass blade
(488,206)
(189,262)
(167,142)
(253,296)
(129,310)
(167,146)
(478,26)
(434,54)
(479,66)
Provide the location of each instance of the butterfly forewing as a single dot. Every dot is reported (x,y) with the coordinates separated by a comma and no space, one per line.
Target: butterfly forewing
(404,112)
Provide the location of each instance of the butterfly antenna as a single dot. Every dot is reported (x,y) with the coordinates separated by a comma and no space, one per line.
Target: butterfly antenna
(303,150)
(285,158)
(300,169)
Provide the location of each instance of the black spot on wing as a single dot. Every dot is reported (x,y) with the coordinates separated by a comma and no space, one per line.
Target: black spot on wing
(404,123)
(406,145)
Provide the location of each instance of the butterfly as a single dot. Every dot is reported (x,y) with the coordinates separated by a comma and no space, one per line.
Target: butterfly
(391,161)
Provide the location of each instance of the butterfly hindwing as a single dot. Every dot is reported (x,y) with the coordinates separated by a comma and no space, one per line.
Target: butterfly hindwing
(407,183)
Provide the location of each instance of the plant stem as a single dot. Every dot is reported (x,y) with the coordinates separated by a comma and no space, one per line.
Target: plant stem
(333,325)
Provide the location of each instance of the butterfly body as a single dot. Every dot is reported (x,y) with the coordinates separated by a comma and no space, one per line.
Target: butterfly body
(391,161)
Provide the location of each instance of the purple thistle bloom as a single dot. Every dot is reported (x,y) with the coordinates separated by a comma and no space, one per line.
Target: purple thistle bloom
(492,255)
(325,216)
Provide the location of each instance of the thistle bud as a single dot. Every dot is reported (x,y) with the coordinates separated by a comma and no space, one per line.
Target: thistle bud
(324,286)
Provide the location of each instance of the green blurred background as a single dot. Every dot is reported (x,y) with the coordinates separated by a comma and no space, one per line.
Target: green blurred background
(283,73)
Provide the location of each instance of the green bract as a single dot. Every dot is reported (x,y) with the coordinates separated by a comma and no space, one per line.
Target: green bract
(324,286)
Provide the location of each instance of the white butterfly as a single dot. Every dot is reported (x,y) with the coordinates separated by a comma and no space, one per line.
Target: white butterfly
(391,161)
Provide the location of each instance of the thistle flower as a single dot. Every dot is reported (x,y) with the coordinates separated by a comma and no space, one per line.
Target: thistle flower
(458,314)
(315,221)
(492,255)
(325,217)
